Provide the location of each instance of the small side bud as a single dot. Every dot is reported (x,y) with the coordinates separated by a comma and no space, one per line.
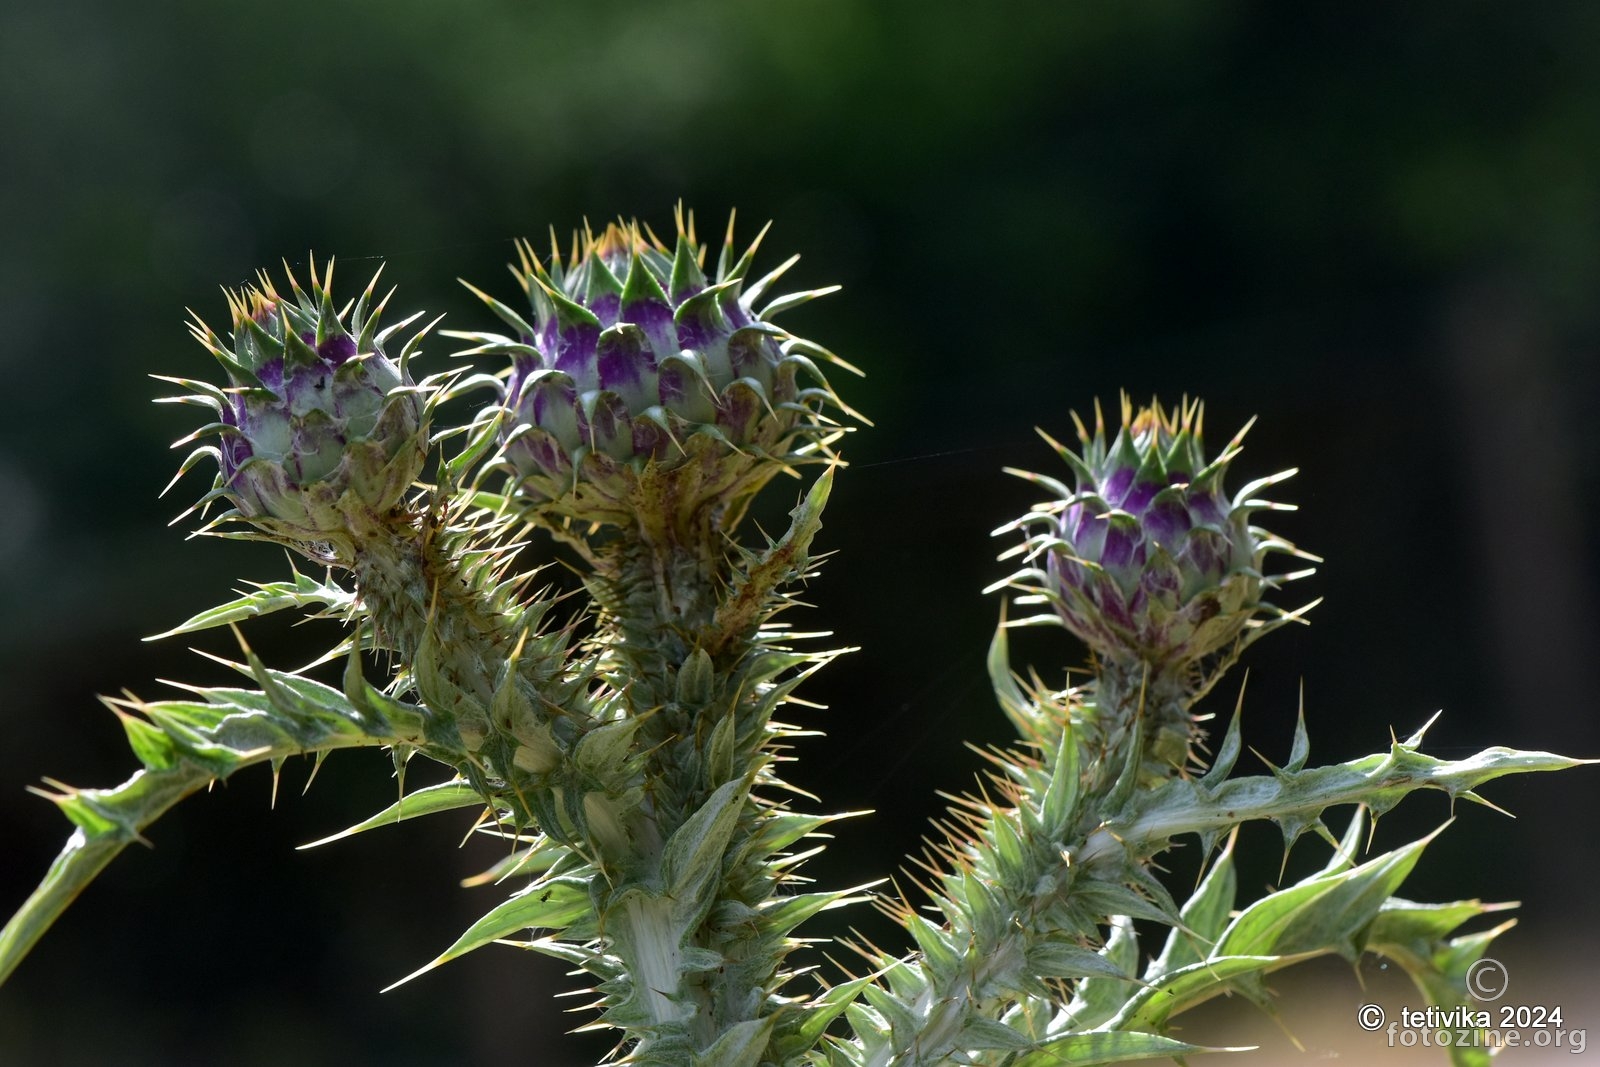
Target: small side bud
(512,708)
(1146,558)
(695,679)
(537,752)
(317,422)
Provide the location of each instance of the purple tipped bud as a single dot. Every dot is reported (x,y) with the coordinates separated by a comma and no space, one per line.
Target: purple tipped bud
(655,363)
(1146,562)
(312,429)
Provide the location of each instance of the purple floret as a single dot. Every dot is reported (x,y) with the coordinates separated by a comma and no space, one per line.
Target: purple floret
(270,374)
(1116,487)
(1166,521)
(574,351)
(1139,495)
(606,307)
(655,319)
(1119,547)
(623,362)
(337,349)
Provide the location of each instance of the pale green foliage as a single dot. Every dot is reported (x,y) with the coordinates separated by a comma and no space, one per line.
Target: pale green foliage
(626,756)
(1037,950)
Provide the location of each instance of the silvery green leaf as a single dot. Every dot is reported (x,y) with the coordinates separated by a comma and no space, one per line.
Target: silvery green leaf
(1420,926)
(1084,1050)
(446,796)
(1099,999)
(1321,914)
(1057,960)
(1060,802)
(741,1045)
(693,856)
(819,1014)
(1006,690)
(985,1034)
(199,742)
(1204,915)
(1179,990)
(546,904)
(303,592)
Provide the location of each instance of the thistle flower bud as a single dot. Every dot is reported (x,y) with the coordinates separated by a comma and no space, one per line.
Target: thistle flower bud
(1146,558)
(635,364)
(316,422)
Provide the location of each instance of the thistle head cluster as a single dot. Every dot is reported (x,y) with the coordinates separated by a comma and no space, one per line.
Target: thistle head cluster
(1146,557)
(630,760)
(317,424)
(638,381)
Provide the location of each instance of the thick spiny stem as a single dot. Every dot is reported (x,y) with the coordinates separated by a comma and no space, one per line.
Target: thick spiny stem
(685,608)
(1138,702)
(667,602)
(426,608)
(495,691)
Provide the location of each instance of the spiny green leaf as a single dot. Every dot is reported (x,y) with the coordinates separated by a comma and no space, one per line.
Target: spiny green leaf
(302,592)
(1110,898)
(1204,915)
(903,1024)
(1084,1050)
(1439,968)
(1259,927)
(1348,847)
(939,956)
(1006,690)
(783,914)
(983,1034)
(1380,781)
(1301,748)
(446,796)
(1322,913)
(741,1045)
(230,729)
(1061,960)
(119,814)
(750,598)
(544,854)
(1335,919)
(603,751)
(1228,751)
(819,1013)
(781,829)
(153,747)
(552,904)
(1100,999)
(692,858)
(1008,848)
(1402,922)
(1181,989)
(1060,803)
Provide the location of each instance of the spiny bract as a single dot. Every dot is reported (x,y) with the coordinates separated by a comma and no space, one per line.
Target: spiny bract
(636,364)
(1146,558)
(317,421)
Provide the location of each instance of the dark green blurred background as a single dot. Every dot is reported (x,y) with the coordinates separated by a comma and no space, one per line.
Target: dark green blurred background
(1376,227)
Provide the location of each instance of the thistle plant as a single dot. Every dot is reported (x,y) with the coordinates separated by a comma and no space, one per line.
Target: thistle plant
(624,746)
